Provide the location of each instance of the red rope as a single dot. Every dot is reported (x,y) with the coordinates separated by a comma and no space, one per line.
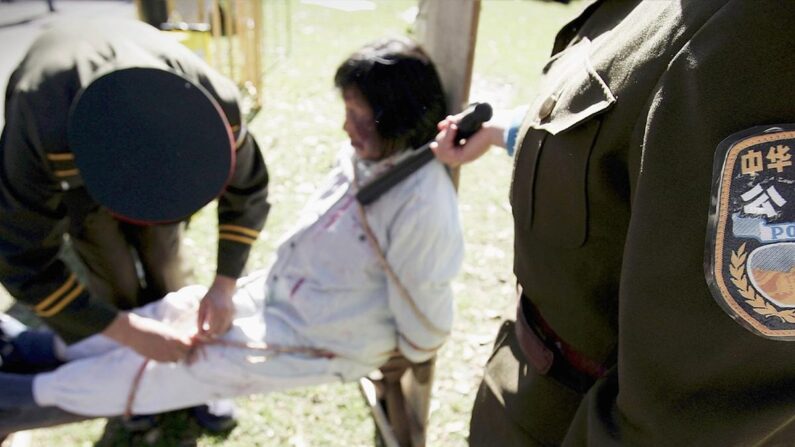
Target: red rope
(198,347)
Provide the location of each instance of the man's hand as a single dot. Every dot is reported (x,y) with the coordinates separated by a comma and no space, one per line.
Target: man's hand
(217,310)
(148,337)
(448,153)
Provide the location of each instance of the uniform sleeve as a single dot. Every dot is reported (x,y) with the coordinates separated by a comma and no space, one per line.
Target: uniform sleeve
(425,251)
(32,224)
(688,373)
(242,208)
(513,123)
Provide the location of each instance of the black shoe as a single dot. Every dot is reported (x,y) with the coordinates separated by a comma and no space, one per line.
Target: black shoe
(24,350)
(213,423)
(10,359)
(139,423)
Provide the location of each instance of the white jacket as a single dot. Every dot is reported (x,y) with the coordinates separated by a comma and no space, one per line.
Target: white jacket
(327,286)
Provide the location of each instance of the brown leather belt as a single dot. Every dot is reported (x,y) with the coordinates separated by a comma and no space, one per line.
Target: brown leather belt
(549,354)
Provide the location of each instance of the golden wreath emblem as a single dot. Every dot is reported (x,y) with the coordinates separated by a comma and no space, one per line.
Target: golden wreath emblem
(757,302)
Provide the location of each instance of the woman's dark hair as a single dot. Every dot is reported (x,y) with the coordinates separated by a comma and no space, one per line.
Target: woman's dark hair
(401,85)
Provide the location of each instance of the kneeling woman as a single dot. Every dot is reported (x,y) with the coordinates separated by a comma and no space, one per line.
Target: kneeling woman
(349,288)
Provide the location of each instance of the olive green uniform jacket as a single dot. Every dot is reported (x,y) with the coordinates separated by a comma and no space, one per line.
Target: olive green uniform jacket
(41,192)
(612,195)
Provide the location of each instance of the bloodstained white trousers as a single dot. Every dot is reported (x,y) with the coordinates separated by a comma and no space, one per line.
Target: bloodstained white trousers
(97,382)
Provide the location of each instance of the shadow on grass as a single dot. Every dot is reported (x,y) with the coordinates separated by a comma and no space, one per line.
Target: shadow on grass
(176,428)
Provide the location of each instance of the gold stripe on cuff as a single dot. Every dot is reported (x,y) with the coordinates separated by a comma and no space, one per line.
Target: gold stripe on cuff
(66,173)
(61,156)
(55,296)
(238,229)
(63,303)
(236,238)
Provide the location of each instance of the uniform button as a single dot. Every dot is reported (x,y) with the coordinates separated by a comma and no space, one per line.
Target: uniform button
(546,107)
(292,244)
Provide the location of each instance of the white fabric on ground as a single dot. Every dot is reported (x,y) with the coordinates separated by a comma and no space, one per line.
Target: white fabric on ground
(98,385)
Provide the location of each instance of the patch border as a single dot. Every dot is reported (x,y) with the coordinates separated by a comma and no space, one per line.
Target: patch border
(739,142)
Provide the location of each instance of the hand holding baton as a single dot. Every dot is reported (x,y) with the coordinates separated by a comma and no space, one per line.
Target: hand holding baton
(474,117)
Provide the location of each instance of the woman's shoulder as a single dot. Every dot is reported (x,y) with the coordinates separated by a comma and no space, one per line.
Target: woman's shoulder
(431,187)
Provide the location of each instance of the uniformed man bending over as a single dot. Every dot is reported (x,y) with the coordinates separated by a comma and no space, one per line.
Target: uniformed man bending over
(115,134)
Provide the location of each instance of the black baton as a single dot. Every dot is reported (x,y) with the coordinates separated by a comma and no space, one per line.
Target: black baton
(474,116)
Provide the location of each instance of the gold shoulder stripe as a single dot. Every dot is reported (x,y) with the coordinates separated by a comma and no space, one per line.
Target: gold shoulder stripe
(63,303)
(55,296)
(66,173)
(238,229)
(241,239)
(61,156)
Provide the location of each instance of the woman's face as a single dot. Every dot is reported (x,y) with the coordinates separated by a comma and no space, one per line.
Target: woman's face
(360,125)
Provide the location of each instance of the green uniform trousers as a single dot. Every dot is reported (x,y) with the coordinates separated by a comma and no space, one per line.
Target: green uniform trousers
(127,264)
(512,391)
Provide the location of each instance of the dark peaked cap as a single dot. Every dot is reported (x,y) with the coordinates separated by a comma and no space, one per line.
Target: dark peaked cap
(150,145)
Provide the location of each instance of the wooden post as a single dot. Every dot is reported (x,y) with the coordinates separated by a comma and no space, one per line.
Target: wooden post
(447,29)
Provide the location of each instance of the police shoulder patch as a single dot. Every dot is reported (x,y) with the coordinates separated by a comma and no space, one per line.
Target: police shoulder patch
(750,259)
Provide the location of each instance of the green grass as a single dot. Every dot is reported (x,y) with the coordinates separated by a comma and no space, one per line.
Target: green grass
(299,130)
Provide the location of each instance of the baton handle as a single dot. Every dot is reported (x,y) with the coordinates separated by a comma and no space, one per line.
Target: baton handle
(474,117)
